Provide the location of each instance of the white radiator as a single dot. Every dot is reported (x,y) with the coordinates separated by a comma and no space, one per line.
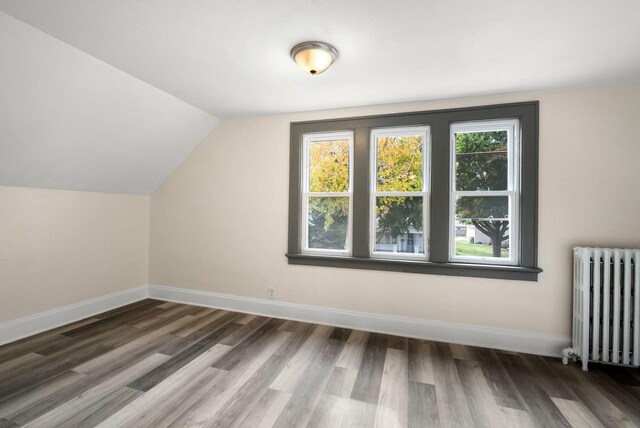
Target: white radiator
(606,307)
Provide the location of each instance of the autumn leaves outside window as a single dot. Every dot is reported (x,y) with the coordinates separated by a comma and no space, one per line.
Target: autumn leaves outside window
(446,192)
(399,198)
(484,192)
(327,192)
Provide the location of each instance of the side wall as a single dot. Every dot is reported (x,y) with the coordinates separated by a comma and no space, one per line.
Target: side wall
(219,222)
(61,247)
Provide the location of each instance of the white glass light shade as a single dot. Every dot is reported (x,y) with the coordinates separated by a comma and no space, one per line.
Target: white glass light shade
(314,57)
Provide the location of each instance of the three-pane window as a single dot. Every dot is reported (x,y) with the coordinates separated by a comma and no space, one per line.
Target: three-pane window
(450,192)
(483,202)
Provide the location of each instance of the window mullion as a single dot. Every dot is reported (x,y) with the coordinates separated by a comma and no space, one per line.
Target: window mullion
(440,187)
(392,194)
(483,192)
(360,198)
(327,194)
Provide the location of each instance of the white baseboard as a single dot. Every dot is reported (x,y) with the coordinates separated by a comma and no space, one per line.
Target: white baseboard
(465,334)
(19,328)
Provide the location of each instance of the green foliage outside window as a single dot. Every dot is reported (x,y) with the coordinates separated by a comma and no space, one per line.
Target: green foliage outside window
(399,168)
(482,164)
(328,172)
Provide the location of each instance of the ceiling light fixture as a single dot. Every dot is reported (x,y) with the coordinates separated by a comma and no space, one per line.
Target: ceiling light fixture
(314,57)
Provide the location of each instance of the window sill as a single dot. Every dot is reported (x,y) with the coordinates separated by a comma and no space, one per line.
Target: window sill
(412,266)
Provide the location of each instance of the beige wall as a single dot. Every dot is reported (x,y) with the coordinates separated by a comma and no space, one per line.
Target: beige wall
(60,247)
(219,222)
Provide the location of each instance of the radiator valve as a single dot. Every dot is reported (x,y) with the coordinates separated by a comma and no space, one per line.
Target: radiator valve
(566,353)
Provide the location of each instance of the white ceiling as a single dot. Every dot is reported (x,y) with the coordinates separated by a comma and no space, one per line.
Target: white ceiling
(112,95)
(70,121)
(231,58)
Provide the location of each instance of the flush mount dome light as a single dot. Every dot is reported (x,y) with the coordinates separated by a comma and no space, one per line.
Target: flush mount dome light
(314,57)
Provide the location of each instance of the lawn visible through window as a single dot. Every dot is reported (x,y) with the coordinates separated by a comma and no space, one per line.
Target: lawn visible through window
(448,192)
(485,190)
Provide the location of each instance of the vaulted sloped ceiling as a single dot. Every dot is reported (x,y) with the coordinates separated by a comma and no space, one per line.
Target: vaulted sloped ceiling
(70,121)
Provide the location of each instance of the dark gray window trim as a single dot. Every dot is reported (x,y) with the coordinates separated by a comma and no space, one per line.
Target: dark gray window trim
(439,121)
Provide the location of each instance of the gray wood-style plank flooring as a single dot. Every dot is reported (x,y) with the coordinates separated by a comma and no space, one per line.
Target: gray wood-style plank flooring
(161,364)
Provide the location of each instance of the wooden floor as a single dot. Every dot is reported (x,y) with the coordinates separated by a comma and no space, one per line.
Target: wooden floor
(158,364)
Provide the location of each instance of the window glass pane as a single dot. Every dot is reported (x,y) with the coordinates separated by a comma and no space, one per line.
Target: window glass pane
(329,166)
(482,207)
(481,160)
(399,163)
(482,239)
(328,223)
(482,226)
(399,225)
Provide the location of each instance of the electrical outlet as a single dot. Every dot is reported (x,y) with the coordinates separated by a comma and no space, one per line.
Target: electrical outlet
(271,293)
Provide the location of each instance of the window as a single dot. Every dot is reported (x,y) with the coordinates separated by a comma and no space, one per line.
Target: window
(451,192)
(484,192)
(327,193)
(399,200)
